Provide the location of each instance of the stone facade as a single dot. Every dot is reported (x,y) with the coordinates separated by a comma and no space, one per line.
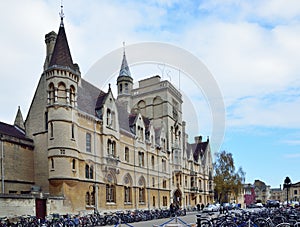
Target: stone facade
(95,151)
(262,191)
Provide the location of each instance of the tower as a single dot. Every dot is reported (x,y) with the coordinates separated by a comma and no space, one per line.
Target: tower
(125,83)
(51,121)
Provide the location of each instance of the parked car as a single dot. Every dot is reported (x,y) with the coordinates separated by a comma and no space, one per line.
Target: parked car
(210,208)
(227,206)
(255,205)
(273,203)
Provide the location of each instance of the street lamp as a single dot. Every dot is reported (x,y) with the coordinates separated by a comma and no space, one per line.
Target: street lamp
(287,184)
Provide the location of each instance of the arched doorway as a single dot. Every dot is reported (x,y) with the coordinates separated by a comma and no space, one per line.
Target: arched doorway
(177,197)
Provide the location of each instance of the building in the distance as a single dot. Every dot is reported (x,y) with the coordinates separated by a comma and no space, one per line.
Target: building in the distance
(276,194)
(81,148)
(249,194)
(262,191)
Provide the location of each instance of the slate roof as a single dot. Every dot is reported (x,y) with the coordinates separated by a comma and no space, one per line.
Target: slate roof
(199,150)
(87,97)
(124,71)
(61,55)
(123,118)
(12,130)
(100,100)
(91,98)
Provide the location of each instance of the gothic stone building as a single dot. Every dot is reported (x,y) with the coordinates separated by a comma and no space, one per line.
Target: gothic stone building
(95,151)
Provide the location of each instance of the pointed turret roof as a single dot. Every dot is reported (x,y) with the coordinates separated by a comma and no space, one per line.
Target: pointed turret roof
(19,122)
(124,71)
(61,54)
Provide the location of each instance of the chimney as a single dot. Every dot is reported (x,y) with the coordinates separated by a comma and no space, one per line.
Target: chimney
(50,39)
(198,139)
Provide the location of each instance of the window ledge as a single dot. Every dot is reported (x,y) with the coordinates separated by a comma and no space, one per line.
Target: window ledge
(110,203)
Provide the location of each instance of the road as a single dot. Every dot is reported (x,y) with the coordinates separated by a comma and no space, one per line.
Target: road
(190,218)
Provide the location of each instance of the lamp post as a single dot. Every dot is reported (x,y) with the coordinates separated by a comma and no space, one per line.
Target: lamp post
(287,184)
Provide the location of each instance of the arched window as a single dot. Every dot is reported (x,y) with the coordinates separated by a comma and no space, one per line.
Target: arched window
(111,148)
(52,163)
(72,96)
(127,188)
(72,131)
(126,154)
(88,138)
(141,158)
(61,93)
(142,190)
(91,172)
(127,194)
(152,161)
(110,193)
(73,164)
(108,118)
(141,195)
(51,94)
(51,130)
(87,171)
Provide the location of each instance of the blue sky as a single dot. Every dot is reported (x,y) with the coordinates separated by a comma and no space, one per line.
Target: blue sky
(251,48)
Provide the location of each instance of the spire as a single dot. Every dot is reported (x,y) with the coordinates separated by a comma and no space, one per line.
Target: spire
(124,71)
(61,55)
(19,122)
(62,15)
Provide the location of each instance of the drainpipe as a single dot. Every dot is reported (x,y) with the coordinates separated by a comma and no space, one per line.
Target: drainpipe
(2,164)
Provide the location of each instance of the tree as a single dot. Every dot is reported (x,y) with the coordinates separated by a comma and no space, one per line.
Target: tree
(227,180)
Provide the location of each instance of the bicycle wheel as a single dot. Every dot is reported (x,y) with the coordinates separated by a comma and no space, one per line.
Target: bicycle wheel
(206,223)
(297,224)
(261,222)
(228,224)
(283,225)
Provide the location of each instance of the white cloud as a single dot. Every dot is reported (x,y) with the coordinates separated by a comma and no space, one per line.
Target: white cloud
(245,57)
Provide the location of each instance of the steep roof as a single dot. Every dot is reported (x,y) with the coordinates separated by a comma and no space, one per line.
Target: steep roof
(100,100)
(12,130)
(61,55)
(124,71)
(199,150)
(87,97)
(124,118)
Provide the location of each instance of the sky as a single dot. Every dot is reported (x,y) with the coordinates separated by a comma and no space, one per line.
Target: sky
(251,48)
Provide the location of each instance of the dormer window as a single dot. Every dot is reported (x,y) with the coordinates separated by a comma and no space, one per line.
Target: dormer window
(108,117)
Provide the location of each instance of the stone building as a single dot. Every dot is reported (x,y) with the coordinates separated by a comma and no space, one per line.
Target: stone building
(95,151)
(262,191)
(276,194)
(292,193)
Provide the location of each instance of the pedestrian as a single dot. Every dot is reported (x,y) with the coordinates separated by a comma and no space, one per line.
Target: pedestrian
(202,206)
